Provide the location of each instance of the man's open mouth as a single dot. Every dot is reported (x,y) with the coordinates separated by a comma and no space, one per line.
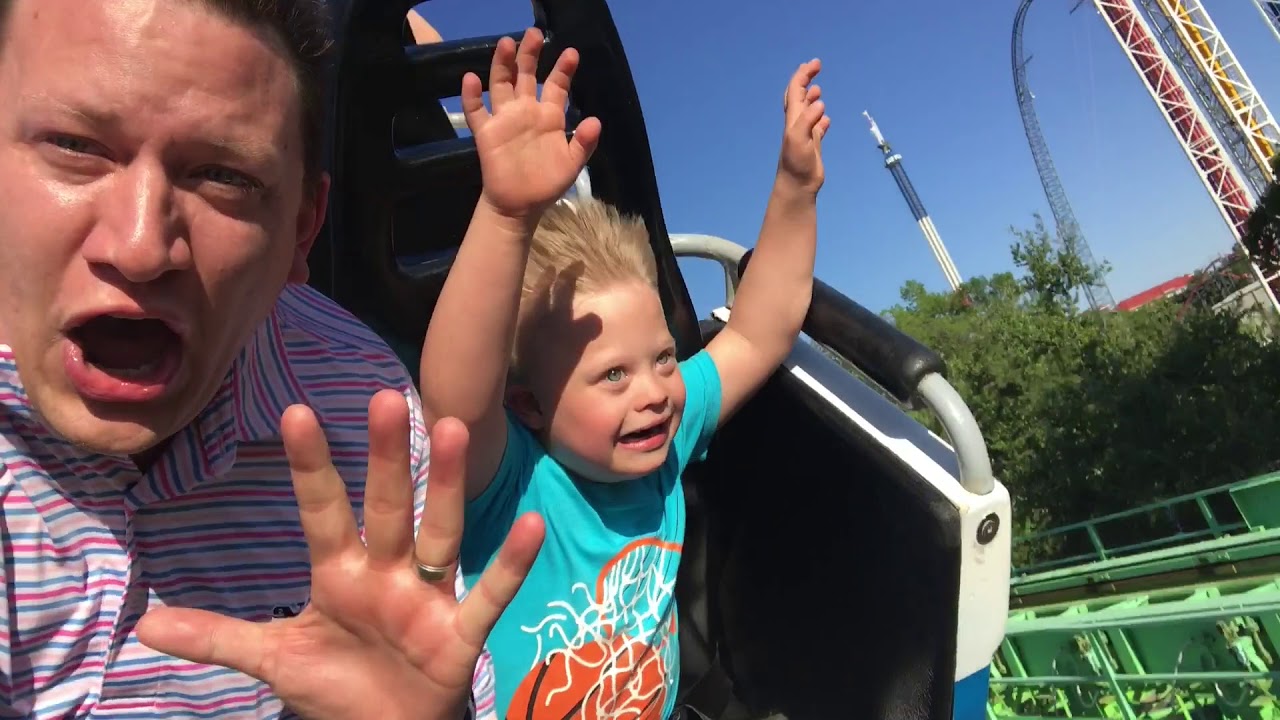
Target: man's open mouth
(123,359)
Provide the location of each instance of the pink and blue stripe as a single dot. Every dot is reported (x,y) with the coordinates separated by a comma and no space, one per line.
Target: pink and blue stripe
(89,543)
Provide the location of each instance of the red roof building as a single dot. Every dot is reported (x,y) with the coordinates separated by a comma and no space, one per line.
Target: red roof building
(1164,289)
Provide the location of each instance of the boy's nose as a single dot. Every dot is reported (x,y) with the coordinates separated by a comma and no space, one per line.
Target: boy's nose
(651,394)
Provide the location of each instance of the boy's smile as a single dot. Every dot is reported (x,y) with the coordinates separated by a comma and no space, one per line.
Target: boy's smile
(604,376)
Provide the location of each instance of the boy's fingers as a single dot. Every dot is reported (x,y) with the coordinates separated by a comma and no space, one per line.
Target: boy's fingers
(812,115)
(527,63)
(473,102)
(793,96)
(820,131)
(585,139)
(798,89)
(502,72)
(556,89)
(811,69)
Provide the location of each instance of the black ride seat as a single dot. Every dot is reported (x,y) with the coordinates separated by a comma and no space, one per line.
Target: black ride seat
(821,572)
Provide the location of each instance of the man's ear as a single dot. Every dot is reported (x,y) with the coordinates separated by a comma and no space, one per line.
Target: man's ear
(307,227)
(525,405)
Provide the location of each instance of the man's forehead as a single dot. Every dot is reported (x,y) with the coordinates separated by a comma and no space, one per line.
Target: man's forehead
(141,35)
(176,59)
(124,20)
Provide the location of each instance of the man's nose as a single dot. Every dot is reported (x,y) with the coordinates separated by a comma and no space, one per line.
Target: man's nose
(137,233)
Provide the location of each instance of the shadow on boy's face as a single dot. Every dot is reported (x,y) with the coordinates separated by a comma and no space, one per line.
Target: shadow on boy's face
(556,347)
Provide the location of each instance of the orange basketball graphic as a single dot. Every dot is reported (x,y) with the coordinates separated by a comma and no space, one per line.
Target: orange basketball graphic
(622,679)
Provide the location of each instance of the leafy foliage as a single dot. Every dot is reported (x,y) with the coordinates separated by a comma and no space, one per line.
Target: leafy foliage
(1262,231)
(1091,412)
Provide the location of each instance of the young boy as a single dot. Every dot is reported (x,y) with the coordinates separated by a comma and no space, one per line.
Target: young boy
(549,341)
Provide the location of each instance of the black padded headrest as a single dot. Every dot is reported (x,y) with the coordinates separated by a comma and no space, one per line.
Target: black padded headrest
(404,184)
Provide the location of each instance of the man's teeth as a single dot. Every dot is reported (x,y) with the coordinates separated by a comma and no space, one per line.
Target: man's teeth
(132,373)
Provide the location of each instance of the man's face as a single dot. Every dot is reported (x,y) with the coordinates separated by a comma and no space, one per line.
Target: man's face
(152,208)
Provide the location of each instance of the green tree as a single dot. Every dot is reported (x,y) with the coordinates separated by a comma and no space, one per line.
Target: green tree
(1089,412)
(1262,231)
(1055,271)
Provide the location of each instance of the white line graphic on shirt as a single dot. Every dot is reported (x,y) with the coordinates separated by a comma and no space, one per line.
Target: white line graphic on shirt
(612,650)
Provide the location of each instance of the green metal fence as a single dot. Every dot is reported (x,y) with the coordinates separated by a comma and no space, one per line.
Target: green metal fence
(1253,504)
(1198,640)
(1224,533)
(1207,653)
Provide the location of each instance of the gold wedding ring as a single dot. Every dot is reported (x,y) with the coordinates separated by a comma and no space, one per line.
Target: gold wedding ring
(430,573)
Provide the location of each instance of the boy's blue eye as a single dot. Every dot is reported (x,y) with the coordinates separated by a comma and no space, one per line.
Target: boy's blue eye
(613,375)
(665,357)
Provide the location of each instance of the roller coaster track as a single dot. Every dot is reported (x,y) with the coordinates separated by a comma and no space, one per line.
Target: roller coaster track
(1170,610)
(1270,10)
(1233,90)
(1207,154)
(1068,229)
(1221,127)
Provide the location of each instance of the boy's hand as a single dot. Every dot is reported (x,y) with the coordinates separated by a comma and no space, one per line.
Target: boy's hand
(525,159)
(806,124)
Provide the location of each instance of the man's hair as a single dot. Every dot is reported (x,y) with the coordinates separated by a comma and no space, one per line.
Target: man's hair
(303,28)
(580,246)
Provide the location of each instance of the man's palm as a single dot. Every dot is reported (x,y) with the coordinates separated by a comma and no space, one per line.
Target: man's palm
(376,640)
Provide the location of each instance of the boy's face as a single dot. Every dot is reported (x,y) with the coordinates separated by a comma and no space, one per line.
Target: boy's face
(608,390)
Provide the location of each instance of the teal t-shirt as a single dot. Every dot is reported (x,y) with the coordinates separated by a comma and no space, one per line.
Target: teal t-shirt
(593,628)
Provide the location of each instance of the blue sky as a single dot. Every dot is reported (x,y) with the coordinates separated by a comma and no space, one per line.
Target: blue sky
(936,77)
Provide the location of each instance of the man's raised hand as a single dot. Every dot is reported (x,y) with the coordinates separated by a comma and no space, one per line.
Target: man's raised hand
(378,640)
(525,158)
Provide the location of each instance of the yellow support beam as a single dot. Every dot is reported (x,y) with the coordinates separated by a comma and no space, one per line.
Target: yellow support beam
(1232,86)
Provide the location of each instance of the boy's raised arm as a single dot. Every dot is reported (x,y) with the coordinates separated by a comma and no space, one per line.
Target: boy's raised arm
(774,294)
(527,165)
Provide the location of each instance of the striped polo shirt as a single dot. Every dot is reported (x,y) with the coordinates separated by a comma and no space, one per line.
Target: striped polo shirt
(89,543)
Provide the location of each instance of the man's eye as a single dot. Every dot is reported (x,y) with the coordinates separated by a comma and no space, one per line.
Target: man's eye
(226,176)
(72,144)
(664,357)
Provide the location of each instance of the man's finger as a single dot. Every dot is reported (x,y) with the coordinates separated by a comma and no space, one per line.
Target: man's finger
(502,72)
(323,506)
(527,63)
(495,589)
(388,487)
(208,638)
(440,532)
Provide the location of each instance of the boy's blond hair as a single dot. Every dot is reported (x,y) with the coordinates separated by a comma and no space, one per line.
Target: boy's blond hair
(581,245)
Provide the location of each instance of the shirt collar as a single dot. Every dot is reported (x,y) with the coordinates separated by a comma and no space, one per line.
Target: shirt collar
(245,408)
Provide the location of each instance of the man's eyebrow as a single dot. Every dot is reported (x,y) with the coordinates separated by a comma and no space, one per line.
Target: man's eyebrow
(85,113)
(238,148)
